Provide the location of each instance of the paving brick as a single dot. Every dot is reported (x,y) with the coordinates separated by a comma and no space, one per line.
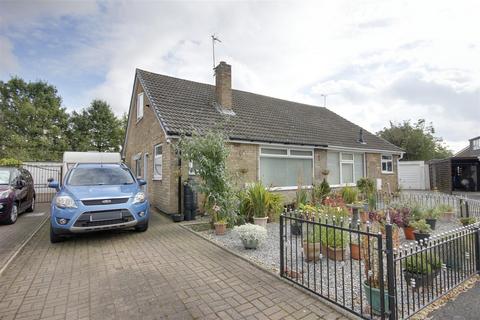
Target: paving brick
(164,273)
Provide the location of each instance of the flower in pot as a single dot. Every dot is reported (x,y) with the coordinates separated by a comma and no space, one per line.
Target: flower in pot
(334,241)
(311,245)
(251,235)
(422,229)
(421,269)
(446,211)
(431,215)
(220,226)
(465,221)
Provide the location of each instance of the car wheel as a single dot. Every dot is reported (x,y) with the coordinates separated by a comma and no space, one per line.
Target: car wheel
(32,205)
(55,238)
(12,218)
(142,227)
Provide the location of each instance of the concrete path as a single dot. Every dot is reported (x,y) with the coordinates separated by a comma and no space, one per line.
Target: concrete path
(12,236)
(164,273)
(465,307)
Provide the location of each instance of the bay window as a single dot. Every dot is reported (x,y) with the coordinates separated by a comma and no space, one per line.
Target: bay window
(387,163)
(285,167)
(345,168)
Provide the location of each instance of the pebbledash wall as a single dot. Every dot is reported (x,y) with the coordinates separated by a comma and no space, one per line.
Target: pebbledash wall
(144,134)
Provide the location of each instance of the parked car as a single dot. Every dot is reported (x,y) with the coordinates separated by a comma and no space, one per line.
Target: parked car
(95,197)
(17,193)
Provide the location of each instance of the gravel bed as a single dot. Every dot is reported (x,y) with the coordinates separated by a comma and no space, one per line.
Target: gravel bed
(338,280)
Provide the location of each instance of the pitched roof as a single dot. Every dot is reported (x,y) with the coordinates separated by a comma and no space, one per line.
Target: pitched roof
(185,106)
(465,152)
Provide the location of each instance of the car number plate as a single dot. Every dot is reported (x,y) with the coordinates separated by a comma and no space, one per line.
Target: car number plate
(108,215)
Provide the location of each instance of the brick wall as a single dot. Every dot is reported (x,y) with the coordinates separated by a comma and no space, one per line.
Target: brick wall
(374,171)
(142,136)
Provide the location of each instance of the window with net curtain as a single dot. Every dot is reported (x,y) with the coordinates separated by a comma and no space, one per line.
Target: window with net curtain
(286,167)
(344,167)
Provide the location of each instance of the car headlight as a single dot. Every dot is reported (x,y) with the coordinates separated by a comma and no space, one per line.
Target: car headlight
(4,194)
(139,197)
(65,202)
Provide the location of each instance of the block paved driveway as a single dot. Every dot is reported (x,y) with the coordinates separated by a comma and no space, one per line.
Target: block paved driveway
(165,273)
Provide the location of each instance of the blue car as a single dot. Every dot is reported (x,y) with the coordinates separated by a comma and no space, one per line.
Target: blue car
(97,197)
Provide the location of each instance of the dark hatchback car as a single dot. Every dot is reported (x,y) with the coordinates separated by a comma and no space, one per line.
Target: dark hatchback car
(17,193)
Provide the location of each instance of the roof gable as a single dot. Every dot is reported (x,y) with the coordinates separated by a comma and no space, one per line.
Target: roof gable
(185,106)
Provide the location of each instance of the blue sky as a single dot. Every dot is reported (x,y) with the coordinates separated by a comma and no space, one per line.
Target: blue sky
(377,61)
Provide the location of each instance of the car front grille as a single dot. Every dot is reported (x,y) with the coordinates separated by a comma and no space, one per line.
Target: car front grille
(100,202)
(103,218)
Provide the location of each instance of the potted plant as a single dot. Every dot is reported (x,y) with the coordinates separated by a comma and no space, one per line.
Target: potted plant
(312,244)
(355,248)
(371,286)
(251,235)
(177,217)
(431,216)
(220,226)
(465,221)
(349,194)
(447,212)
(421,269)
(319,192)
(422,229)
(334,241)
(296,226)
(406,214)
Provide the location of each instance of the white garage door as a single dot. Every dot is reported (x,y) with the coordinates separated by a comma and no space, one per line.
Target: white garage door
(411,175)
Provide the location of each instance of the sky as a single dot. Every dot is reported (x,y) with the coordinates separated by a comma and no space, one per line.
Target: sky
(375,61)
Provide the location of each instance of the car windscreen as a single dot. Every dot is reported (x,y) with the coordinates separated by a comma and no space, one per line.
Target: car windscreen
(99,176)
(4,176)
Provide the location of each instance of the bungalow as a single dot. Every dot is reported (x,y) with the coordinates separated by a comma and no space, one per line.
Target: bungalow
(276,141)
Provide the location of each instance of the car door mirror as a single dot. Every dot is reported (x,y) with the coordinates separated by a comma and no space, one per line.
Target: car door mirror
(54,185)
(141,182)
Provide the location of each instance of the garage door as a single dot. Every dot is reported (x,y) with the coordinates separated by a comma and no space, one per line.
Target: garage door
(411,175)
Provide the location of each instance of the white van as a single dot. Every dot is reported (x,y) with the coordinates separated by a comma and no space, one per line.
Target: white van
(70,158)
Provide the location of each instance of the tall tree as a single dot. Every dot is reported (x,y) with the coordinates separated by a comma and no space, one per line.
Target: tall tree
(33,123)
(417,139)
(95,128)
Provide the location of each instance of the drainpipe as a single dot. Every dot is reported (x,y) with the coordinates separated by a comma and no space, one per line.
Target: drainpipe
(145,170)
(179,154)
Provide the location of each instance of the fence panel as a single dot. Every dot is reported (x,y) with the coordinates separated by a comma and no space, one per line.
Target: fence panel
(41,172)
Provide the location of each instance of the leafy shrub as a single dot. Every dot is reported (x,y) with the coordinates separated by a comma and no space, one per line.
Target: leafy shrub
(10,162)
(251,232)
(320,191)
(366,186)
(258,202)
(422,263)
(334,238)
(349,194)
(301,196)
(467,221)
(421,226)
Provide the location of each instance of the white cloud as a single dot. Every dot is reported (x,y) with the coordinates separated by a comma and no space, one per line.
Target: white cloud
(384,60)
(8,61)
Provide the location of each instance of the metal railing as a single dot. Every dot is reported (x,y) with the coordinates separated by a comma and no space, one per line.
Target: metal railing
(366,271)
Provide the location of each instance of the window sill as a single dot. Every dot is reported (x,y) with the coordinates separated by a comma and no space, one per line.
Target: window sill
(343,185)
(157,178)
(388,172)
(287,188)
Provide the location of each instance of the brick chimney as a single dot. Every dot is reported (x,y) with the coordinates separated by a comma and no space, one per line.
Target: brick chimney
(223,86)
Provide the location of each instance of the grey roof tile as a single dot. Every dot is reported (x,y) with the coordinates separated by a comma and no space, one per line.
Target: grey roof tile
(185,106)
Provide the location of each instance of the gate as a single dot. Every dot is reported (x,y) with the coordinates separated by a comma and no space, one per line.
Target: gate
(41,172)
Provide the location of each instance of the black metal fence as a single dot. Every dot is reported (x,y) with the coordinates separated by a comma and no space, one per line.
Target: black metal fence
(40,174)
(364,269)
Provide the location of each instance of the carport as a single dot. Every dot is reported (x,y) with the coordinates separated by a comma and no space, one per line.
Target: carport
(461,174)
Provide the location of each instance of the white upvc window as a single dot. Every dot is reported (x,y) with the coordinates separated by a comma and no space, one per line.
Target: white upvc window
(476,144)
(345,168)
(137,159)
(286,168)
(157,162)
(139,106)
(387,163)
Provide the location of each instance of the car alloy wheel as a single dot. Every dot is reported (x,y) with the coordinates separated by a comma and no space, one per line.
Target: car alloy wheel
(13,214)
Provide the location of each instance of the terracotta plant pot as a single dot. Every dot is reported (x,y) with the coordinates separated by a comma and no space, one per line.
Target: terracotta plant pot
(260,221)
(311,251)
(337,254)
(355,251)
(408,231)
(448,216)
(220,228)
